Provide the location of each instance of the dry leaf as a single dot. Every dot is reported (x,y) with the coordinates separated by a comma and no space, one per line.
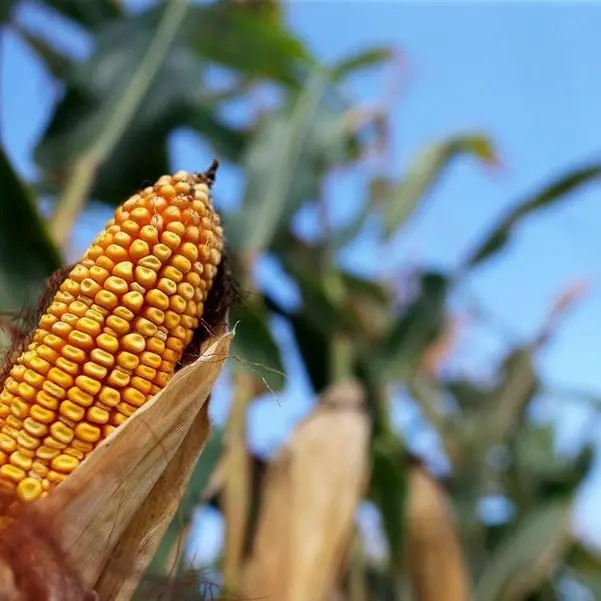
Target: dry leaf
(107,495)
(309,501)
(435,559)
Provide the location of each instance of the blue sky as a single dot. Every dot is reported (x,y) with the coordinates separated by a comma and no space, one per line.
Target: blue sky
(527,75)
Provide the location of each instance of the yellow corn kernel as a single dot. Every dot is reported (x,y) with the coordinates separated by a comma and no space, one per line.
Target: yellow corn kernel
(113,334)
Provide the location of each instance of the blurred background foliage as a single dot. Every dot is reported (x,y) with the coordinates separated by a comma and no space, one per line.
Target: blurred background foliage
(192,65)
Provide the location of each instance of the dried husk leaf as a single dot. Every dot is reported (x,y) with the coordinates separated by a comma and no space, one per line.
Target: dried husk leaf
(141,539)
(106,500)
(309,500)
(435,559)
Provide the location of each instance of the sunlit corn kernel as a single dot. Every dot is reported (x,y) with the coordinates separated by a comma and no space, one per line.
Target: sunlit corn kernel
(81,340)
(7,443)
(145,372)
(181,263)
(124,270)
(134,397)
(133,300)
(52,442)
(19,408)
(161,251)
(45,352)
(133,342)
(54,341)
(144,326)
(177,303)
(108,343)
(94,370)
(33,379)
(150,359)
(172,319)
(97,415)
(87,384)
(124,313)
(130,227)
(79,455)
(78,273)
(64,464)
(73,353)
(155,344)
(154,314)
(162,378)
(120,326)
(39,365)
(127,360)
(186,290)
(21,461)
(149,234)
(150,262)
(98,274)
(89,287)
(167,286)
(46,453)
(71,411)
(102,357)
(141,384)
(67,366)
(41,414)
(12,473)
(126,409)
(87,432)
(118,378)
(109,396)
(157,299)
(54,389)
(189,322)
(82,445)
(145,276)
(60,378)
(78,396)
(29,489)
(35,428)
(107,299)
(60,328)
(26,440)
(118,419)
(47,401)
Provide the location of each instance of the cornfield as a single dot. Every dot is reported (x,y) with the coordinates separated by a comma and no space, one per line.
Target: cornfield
(116,356)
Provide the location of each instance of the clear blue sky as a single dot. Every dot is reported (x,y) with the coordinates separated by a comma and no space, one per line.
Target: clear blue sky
(526,74)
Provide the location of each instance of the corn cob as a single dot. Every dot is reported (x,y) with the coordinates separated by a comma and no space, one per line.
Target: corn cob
(113,333)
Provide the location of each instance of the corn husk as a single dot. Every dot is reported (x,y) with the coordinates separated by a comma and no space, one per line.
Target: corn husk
(435,561)
(112,511)
(309,500)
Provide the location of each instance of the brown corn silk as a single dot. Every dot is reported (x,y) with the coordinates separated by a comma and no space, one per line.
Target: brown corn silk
(101,526)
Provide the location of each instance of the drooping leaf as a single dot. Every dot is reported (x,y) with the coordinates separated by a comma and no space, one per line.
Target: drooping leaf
(528,554)
(363,59)
(27,255)
(59,65)
(279,165)
(98,88)
(557,191)
(227,34)
(89,14)
(6,8)
(388,490)
(426,170)
(417,327)
(254,349)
